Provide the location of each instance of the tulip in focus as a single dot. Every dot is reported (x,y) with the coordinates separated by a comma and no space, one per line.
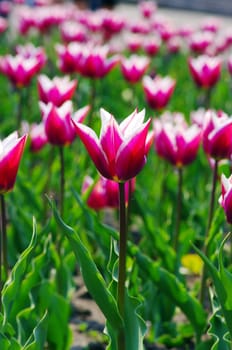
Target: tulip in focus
(216,135)
(225,199)
(11,151)
(205,70)
(120,152)
(57,122)
(175,141)
(158,91)
(56,90)
(105,193)
(134,67)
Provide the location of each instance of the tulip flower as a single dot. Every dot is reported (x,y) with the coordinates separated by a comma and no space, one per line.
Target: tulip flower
(216,135)
(56,90)
(200,41)
(18,69)
(3,25)
(205,70)
(151,45)
(38,137)
(120,152)
(158,91)
(175,141)
(225,199)
(105,193)
(147,8)
(72,31)
(134,67)
(11,150)
(229,63)
(30,51)
(57,122)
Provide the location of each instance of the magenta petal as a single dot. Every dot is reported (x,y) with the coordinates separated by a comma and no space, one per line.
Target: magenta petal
(91,142)
(227,205)
(131,155)
(9,165)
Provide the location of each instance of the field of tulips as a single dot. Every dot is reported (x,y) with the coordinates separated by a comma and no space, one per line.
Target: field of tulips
(115,174)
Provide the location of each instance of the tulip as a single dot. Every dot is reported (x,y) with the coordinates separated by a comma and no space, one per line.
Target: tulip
(134,67)
(3,25)
(225,199)
(57,121)
(56,90)
(200,41)
(205,70)
(175,141)
(105,193)
(11,150)
(147,8)
(158,91)
(18,69)
(151,45)
(30,51)
(120,152)
(217,144)
(68,56)
(38,137)
(72,31)
(216,135)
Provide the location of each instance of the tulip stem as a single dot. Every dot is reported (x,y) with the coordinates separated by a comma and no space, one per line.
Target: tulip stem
(3,258)
(122,263)
(178,209)
(208,239)
(62,180)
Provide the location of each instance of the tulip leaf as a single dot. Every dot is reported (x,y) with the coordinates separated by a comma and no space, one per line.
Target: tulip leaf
(12,288)
(175,290)
(218,328)
(38,338)
(92,277)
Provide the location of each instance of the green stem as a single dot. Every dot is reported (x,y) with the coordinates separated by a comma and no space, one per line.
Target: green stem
(208,239)
(92,101)
(62,180)
(4,236)
(19,107)
(178,209)
(207,98)
(122,262)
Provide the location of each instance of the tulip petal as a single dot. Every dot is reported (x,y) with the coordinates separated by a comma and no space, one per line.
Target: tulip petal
(92,144)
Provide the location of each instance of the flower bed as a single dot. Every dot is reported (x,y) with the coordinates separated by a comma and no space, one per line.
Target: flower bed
(116,171)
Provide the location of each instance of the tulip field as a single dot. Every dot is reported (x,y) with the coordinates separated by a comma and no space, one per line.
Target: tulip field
(115,177)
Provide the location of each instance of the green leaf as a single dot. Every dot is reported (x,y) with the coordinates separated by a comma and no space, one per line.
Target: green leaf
(91,275)
(12,287)
(218,328)
(168,284)
(38,338)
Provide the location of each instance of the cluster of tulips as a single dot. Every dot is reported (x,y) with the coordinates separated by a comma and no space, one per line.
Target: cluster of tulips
(71,61)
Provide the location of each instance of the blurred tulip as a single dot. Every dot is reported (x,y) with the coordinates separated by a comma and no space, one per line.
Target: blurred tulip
(205,70)
(11,151)
(105,193)
(147,8)
(216,135)
(72,31)
(57,122)
(56,90)
(30,51)
(225,199)
(175,141)
(134,67)
(38,137)
(151,45)
(200,41)
(120,152)
(3,25)
(18,69)
(158,91)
